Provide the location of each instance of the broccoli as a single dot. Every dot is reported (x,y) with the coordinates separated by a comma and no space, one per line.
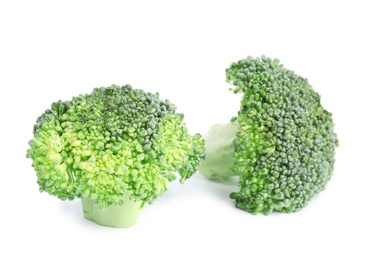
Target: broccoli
(116,149)
(281,144)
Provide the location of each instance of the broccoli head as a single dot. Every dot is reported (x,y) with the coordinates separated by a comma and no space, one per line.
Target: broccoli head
(115,145)
(281,144)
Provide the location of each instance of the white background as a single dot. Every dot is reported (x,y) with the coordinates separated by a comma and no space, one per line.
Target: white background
(54,50)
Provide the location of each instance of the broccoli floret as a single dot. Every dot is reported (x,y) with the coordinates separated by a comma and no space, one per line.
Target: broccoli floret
(281,144)
(117,146)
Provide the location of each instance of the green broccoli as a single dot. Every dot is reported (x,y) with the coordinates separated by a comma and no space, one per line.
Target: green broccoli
(116,149)
(281,144)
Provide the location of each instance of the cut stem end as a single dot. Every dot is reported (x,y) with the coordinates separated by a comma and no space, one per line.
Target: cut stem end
(118,216)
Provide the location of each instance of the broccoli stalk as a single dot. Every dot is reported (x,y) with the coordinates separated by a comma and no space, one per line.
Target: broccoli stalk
(281,144)
(116,149)
(120,216)
(219,151)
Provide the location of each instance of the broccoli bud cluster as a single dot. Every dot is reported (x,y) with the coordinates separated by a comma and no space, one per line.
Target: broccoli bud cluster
(285,145)
(113,142)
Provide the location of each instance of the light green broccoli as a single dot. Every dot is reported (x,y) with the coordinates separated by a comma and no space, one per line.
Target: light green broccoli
(116,149)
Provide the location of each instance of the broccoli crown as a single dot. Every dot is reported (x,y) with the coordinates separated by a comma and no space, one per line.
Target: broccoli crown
(113,142)
(285,145)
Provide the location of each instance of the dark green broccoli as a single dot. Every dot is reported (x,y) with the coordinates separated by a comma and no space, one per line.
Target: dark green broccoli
(117,146)
(281,144)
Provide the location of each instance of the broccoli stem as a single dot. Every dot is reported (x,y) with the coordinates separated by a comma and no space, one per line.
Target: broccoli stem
(119,216)
(219,151)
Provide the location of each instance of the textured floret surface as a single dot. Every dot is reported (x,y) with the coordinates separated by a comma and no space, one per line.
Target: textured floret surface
(113,142)
(285,145)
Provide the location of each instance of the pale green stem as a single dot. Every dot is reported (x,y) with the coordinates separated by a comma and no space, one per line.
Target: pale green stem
(219,151)
(113,216)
